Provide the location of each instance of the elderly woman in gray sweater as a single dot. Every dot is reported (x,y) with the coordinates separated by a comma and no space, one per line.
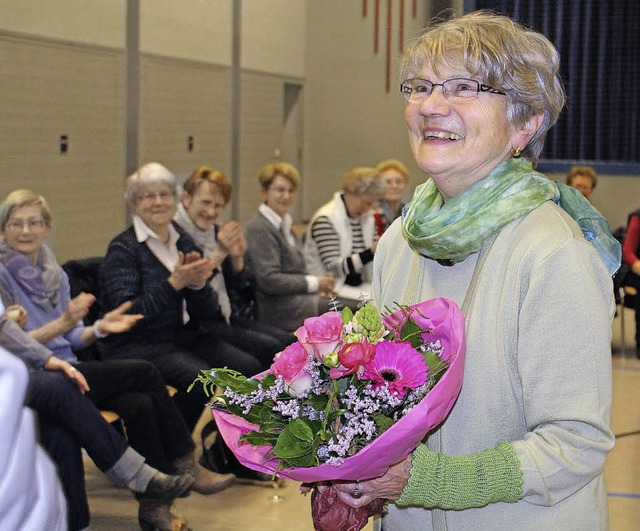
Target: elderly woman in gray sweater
(285,291)
(525,444)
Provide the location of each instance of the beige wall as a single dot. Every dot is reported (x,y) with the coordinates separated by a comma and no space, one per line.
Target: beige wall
(187,29)
(95,22)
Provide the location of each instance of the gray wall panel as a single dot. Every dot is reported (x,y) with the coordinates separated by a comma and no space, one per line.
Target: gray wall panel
(179,99)
(49,90)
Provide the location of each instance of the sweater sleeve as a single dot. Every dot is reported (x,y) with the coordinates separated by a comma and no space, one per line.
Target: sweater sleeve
(121,281)
(266,262)
(22,345)
(463,482)
(328,242)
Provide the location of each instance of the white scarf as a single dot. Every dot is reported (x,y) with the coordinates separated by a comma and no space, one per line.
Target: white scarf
(206,240)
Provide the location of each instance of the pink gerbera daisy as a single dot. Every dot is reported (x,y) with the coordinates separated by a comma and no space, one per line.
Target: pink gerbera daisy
(397,365)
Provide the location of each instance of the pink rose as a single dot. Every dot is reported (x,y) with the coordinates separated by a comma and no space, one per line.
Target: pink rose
(352,357)
(320,336)
(293,364)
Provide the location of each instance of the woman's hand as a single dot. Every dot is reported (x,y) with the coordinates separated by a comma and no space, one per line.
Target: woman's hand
(77,308)
(387,487)
(56,364)
(118,320)
(16,313)
(232,241)
(326,285)
(191,270)
(75,311)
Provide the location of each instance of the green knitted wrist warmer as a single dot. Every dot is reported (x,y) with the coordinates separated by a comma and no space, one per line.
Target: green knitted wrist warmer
(463,482)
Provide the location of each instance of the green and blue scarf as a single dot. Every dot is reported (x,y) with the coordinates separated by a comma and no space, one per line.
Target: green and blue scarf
(459,227)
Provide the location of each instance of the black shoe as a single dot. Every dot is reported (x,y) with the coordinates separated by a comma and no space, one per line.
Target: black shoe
(219,458)
(164,487)
(638,352)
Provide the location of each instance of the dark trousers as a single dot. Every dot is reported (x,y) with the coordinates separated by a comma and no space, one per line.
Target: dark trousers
(136,391)
(282,338)
(69,421)
(180,361)
(67,454)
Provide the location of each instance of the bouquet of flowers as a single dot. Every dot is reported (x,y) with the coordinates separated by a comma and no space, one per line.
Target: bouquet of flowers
(354,395)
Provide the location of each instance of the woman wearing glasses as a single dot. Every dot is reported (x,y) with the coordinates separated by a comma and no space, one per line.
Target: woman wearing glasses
(32,280)
(158,267)
(286,294)
(342,239)
(525,444)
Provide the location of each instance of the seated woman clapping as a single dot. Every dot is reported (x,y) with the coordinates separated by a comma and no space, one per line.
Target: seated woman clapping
(31,278)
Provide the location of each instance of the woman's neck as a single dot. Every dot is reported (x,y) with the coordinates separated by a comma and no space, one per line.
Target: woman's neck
(394,206)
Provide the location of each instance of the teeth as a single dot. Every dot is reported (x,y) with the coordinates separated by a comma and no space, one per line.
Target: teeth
(442,135)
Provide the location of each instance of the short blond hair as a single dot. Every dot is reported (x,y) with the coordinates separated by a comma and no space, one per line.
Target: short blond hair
(206,174)
(585,171)
(363,180)
(394,164)
(503,54)
(23,197)
(268,173)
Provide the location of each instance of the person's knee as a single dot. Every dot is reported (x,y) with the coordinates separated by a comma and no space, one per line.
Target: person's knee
(139,409)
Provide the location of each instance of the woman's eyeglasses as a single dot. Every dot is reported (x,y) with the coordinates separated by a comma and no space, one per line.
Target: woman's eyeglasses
(150,197)
(34,225)
(416,90)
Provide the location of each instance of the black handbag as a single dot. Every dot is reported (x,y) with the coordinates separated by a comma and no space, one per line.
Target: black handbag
(219,458)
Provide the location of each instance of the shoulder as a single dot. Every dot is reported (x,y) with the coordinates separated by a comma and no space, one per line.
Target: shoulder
(547,239)
(257,223)
(124,238)
(546,226)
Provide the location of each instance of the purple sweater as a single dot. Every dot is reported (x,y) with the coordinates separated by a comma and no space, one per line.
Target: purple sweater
(61,346)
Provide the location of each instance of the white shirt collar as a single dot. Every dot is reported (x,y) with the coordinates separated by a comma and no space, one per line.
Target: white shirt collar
(273,217)
(143,232)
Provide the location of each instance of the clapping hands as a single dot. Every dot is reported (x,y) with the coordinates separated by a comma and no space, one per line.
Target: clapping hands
(191,270)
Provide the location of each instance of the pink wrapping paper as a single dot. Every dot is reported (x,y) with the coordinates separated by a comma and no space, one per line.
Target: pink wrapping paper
(447,322)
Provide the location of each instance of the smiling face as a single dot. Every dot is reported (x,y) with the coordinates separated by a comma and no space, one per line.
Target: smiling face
(582,183)
(396,184)
(459,141)
(205,206)
(280,195)
(155,204)
(359,204)
(25,230)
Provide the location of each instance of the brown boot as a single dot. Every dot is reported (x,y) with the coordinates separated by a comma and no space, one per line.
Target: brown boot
(158,516)
(206,481)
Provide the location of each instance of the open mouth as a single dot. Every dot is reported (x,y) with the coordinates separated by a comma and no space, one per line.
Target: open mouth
(440,135)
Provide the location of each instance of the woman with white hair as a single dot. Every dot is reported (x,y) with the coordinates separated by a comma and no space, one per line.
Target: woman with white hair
(158,267)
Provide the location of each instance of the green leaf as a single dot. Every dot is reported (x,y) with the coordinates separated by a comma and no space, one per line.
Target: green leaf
(347,315)
(306,461)
(411,332)
(432,360)
(260,439)
(301,429)
(383,422)
(289,446)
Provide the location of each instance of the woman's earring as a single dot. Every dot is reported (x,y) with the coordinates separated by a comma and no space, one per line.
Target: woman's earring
(516,152)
